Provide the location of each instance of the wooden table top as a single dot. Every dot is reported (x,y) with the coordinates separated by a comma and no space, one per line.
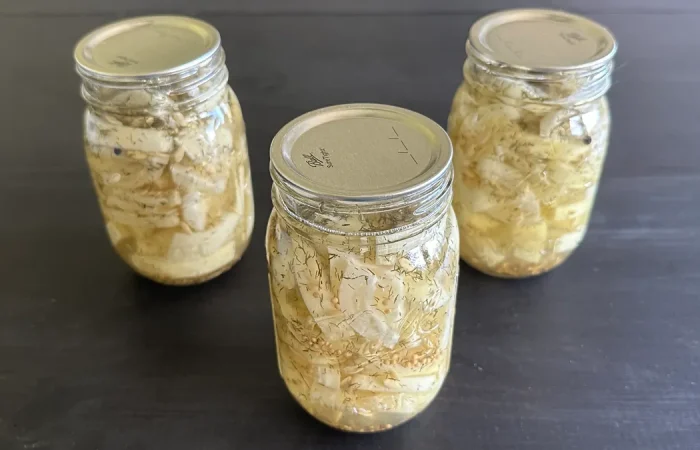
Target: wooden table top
(602,353)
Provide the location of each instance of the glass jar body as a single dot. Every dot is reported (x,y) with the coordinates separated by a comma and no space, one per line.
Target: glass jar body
(528,158)
(363,324)
(172,181)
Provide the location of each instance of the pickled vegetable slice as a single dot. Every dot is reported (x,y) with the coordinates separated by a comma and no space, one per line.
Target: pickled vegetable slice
(526,170)
(174,187)
(363,335)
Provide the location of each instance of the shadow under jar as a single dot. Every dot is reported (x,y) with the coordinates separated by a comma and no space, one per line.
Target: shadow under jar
(166,147)
(363,255)
(530,127)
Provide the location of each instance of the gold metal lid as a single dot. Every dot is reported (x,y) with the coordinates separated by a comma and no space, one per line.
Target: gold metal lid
(361,152)
(146,46)
(541,40)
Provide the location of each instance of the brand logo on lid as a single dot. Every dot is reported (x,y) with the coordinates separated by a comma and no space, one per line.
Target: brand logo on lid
(123,61)
(572,37)
(313,160)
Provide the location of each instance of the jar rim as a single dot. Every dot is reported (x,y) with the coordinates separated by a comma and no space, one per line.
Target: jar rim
(355,154)
(430,208)
(362,160)
(582,86)
(583,44)
(116,52)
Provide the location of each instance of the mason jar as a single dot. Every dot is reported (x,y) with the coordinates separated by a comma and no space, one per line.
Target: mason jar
(166,147)
(362,248)
(530,127)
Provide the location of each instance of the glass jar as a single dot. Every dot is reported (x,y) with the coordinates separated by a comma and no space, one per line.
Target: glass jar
(530,127)
(362,249)
(166,147)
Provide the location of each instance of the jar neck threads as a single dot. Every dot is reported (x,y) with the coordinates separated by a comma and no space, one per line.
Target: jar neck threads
(514,85)
(154,95)
(401,217)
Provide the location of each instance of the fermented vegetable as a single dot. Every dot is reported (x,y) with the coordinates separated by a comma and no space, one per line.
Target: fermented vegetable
(173,183)
(363,322)
(528,157)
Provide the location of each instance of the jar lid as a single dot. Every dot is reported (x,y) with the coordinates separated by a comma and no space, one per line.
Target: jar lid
(541,40)
(146,46)
(361,152)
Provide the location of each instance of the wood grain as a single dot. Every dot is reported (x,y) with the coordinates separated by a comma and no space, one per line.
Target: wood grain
(603,353)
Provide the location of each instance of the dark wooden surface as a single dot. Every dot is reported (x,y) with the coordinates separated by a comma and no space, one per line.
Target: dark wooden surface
(603,353)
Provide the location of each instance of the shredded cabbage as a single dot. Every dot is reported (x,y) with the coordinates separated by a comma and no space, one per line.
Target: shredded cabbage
(526,171)
(174,187)
(363,326)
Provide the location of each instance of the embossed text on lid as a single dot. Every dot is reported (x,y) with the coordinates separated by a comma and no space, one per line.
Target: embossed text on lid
(361,152)
(146,46)
(541,40)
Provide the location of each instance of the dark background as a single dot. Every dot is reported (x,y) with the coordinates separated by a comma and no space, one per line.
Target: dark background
(603,353)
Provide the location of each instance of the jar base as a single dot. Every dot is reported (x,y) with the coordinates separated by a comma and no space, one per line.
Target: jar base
(350,420)
(148,267)
(189,281)
(162,277)
(356,428)
(512,271)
